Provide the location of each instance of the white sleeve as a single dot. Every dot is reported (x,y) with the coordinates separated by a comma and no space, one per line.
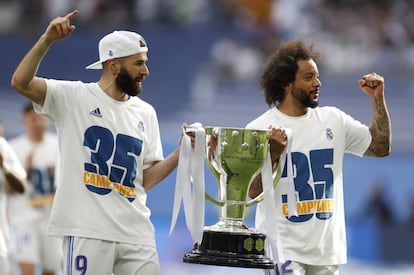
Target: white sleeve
(358,136)
(10,160)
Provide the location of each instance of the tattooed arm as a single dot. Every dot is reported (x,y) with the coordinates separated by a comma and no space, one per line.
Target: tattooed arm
(373,85)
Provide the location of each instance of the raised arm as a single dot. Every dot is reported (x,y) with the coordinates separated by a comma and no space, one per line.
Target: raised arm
(373,85)
(24,79)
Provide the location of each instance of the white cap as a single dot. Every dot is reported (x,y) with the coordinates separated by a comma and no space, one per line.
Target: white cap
(119,44)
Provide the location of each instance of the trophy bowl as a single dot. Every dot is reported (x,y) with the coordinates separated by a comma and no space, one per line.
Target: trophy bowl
(235,157)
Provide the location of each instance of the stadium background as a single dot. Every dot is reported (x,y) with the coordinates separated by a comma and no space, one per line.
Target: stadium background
(204,60)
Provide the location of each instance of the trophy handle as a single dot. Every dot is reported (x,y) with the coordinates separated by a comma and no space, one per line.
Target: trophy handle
(260,197)
(213,200)
(217,176)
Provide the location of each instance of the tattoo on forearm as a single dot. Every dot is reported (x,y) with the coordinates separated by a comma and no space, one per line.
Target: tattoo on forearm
(380,130)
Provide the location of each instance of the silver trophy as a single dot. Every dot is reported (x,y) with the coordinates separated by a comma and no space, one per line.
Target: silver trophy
(235,156)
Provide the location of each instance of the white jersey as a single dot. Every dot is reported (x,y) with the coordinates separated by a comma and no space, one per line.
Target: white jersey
(41,179)
(104,147)
(319,140)
(13,165)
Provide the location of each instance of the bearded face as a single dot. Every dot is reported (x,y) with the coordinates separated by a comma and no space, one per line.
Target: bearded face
(126,83)
(306,98)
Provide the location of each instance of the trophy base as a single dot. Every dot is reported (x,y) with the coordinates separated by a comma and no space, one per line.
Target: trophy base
(235,249)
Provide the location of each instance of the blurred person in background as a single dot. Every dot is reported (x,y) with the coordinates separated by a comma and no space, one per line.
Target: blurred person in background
(110,154)
(313,240)
(37,149)
(12,177)
(409,222)
(378,206)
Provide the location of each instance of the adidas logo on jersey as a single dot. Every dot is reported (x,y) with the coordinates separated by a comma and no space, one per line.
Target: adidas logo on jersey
(96,112)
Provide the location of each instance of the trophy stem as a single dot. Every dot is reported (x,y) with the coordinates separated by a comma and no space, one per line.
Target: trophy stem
(229,224)
(233,212)
(233,194)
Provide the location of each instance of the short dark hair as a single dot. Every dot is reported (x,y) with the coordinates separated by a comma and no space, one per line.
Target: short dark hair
(281,68)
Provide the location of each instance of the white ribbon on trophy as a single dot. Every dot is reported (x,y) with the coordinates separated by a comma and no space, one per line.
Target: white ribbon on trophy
(270,227)
(190,186)
(291,196)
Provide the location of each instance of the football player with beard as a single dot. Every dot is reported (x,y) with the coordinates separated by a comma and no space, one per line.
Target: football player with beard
(313,240)
(110,154)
